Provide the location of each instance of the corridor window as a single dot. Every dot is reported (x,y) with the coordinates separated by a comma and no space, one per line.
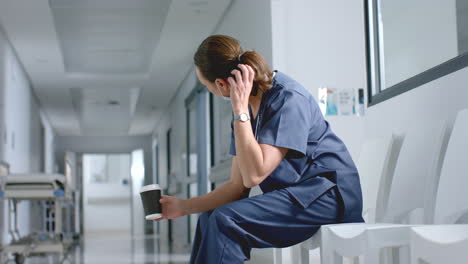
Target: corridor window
(192,137)
(410,43)
(106,168)
(222,116)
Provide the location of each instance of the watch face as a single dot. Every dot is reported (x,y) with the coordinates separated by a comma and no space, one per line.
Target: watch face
(243,117)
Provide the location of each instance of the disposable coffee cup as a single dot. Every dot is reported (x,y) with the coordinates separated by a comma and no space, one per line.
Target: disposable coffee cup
(150,195)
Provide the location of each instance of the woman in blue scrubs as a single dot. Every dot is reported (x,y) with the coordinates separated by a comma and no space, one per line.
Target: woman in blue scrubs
(279,141)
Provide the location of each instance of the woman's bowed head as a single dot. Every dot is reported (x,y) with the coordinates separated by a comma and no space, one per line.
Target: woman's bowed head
(239,89)
(228,71)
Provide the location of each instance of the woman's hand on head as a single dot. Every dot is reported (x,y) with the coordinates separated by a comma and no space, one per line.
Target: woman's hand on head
(241,86)
(172,207)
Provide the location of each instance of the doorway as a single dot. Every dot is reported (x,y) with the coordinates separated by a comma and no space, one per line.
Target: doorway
(106,193)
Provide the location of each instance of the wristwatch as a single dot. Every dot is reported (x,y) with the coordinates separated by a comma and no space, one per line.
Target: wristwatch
(242,117)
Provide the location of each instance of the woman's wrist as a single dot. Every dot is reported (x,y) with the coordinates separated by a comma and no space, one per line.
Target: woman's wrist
(185,206)
(240,110)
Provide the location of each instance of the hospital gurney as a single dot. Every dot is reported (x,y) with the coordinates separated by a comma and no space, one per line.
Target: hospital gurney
(35,186)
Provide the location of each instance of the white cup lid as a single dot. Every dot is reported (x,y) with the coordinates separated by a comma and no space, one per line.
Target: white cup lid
(150,187)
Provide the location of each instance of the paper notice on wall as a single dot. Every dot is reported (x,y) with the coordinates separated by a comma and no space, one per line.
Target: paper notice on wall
(333,101)
(346,100)
(328,101)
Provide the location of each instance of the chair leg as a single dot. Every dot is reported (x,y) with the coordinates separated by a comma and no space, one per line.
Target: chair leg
(414,256)
(387,256)
(356,260)
(372,256)
(326,251)
(404,255)
(335,259)
(304,256)
(277,256)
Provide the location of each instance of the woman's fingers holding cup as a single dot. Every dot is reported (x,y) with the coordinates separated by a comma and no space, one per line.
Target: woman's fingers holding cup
(159,219)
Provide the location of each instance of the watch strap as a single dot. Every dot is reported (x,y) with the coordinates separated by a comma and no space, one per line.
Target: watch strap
(238,117)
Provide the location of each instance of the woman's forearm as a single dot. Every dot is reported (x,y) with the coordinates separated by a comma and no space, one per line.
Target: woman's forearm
(228,192)
(248,153)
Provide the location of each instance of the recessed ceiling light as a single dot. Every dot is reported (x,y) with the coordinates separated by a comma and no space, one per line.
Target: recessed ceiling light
(113,102)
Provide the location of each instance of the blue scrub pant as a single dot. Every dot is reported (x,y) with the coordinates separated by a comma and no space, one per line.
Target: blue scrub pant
(273,219)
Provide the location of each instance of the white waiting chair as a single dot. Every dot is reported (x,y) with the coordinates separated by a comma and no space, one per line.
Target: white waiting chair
(439,244)
(376,162)
(414,180)
(451,206)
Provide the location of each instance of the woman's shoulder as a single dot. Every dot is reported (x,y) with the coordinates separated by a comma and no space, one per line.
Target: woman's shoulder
(284,86)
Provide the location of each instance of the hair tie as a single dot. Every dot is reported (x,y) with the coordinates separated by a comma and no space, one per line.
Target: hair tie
(239,57)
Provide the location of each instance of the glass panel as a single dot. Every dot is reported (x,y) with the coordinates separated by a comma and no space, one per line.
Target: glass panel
(193,217)
(118,167)
(96,171)
(462,26)
(107,168)
(192,138)
(223,117)
(168,155)
(156,163)
(415,36)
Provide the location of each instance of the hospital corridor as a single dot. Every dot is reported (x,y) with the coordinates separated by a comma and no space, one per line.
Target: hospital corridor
(233,131)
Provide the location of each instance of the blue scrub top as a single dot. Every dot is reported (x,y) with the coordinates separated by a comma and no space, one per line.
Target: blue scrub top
(317,159)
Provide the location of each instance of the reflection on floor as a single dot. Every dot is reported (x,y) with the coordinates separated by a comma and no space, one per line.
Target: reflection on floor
(114,248)
(118,248)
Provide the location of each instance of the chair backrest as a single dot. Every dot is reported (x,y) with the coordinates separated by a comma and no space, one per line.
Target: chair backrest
(451,200)
(416,174)
(373,164)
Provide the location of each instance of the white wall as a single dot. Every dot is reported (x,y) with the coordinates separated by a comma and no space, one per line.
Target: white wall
(250,23)
(49,146)
(321,43)
(253,33)
(107,208)
(440,99)
(20,126)
(20,117)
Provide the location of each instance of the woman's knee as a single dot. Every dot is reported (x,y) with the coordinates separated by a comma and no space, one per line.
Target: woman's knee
(203,217)
(221,216)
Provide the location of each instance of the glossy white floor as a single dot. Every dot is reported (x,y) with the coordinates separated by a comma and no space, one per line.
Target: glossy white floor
(115,248)
(121,248)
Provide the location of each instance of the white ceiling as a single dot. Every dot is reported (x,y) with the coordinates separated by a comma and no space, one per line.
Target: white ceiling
(107,67)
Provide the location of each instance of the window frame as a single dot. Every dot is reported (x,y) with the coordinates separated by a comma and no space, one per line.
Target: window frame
(373,60)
